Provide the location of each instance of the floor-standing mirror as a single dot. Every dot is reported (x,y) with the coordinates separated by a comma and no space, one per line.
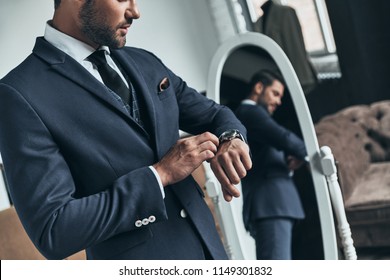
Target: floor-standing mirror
(240,57)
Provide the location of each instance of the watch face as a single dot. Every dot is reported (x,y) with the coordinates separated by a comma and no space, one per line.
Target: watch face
(230,135)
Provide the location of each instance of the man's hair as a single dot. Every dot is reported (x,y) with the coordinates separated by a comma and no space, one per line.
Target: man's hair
(57,3)
(266,77)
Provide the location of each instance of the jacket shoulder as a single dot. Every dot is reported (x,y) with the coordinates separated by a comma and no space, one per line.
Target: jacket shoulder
(139,53)
(19,72)
(252,111)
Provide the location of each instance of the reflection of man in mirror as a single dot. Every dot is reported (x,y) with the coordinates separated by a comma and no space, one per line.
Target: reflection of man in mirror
(91,146)
(271,200)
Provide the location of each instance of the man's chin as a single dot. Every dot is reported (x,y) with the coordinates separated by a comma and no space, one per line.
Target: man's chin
(120,43)
(117,45)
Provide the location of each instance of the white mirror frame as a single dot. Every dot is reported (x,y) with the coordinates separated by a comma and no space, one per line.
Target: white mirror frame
(228,213)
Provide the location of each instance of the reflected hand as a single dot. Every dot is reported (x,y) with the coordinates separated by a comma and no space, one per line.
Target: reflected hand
(294,163)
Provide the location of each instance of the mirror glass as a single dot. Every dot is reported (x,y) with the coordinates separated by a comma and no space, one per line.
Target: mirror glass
(239,67)
(233,65)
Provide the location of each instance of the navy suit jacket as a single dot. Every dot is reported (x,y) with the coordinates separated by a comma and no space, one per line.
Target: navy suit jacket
(77,163)
(268,189)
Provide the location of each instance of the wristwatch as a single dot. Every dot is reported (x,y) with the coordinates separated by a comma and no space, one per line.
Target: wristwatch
(229,135)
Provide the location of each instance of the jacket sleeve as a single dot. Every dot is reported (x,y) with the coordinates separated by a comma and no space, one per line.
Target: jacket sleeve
(265,130)
(199,113)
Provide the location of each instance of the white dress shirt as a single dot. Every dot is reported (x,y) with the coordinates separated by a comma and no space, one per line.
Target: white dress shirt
(248,102)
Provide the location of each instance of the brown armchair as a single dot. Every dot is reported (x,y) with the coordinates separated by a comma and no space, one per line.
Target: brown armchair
(359,137)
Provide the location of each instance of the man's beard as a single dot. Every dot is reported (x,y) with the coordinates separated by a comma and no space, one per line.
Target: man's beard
(94,27)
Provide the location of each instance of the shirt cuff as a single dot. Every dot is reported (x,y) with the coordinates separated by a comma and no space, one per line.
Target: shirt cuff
(158,180)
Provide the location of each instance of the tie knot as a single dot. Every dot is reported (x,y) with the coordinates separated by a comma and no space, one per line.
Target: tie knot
(98,57)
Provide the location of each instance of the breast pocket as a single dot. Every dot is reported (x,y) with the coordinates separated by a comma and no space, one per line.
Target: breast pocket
(167,107)
(166,93)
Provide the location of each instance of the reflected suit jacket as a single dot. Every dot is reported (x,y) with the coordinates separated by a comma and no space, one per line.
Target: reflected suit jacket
(77,163)
(268,189)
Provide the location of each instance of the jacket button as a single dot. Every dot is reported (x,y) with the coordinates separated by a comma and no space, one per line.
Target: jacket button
(145,222)
(138,223)
(152,219)
(183,214)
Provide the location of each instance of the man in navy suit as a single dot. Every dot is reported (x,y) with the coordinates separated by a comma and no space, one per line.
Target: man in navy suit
(271,200)
(84,172)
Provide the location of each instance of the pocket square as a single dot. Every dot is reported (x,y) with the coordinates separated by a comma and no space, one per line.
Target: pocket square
(164,84)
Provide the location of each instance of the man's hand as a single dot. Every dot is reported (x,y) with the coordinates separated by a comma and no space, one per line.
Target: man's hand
(294,163)
(230,164)
(185,156)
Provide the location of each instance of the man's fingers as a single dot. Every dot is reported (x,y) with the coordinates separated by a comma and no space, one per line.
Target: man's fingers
(205,156)
(208,145)
(231,172)
(228,189)
(246,160)
(207,136)
(227,196)
(204,141)
(233,168)
(240,169)
(195,145)
(185,156)
(220,174)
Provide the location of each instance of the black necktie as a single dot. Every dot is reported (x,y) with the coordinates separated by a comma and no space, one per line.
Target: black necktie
(112,80)
(109,76)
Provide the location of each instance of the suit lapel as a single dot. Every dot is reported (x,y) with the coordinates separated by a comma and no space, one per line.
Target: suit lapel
(72,70)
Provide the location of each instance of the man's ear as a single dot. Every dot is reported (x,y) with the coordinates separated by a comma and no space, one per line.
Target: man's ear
(259,88)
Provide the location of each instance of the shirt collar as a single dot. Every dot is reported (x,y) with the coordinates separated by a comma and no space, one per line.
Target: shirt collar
(248,102)
(77,49)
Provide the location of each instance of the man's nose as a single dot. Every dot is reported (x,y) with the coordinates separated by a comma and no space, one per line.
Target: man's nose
(132,11)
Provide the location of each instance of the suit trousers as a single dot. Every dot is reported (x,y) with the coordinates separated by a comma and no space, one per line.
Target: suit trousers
(273,238)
